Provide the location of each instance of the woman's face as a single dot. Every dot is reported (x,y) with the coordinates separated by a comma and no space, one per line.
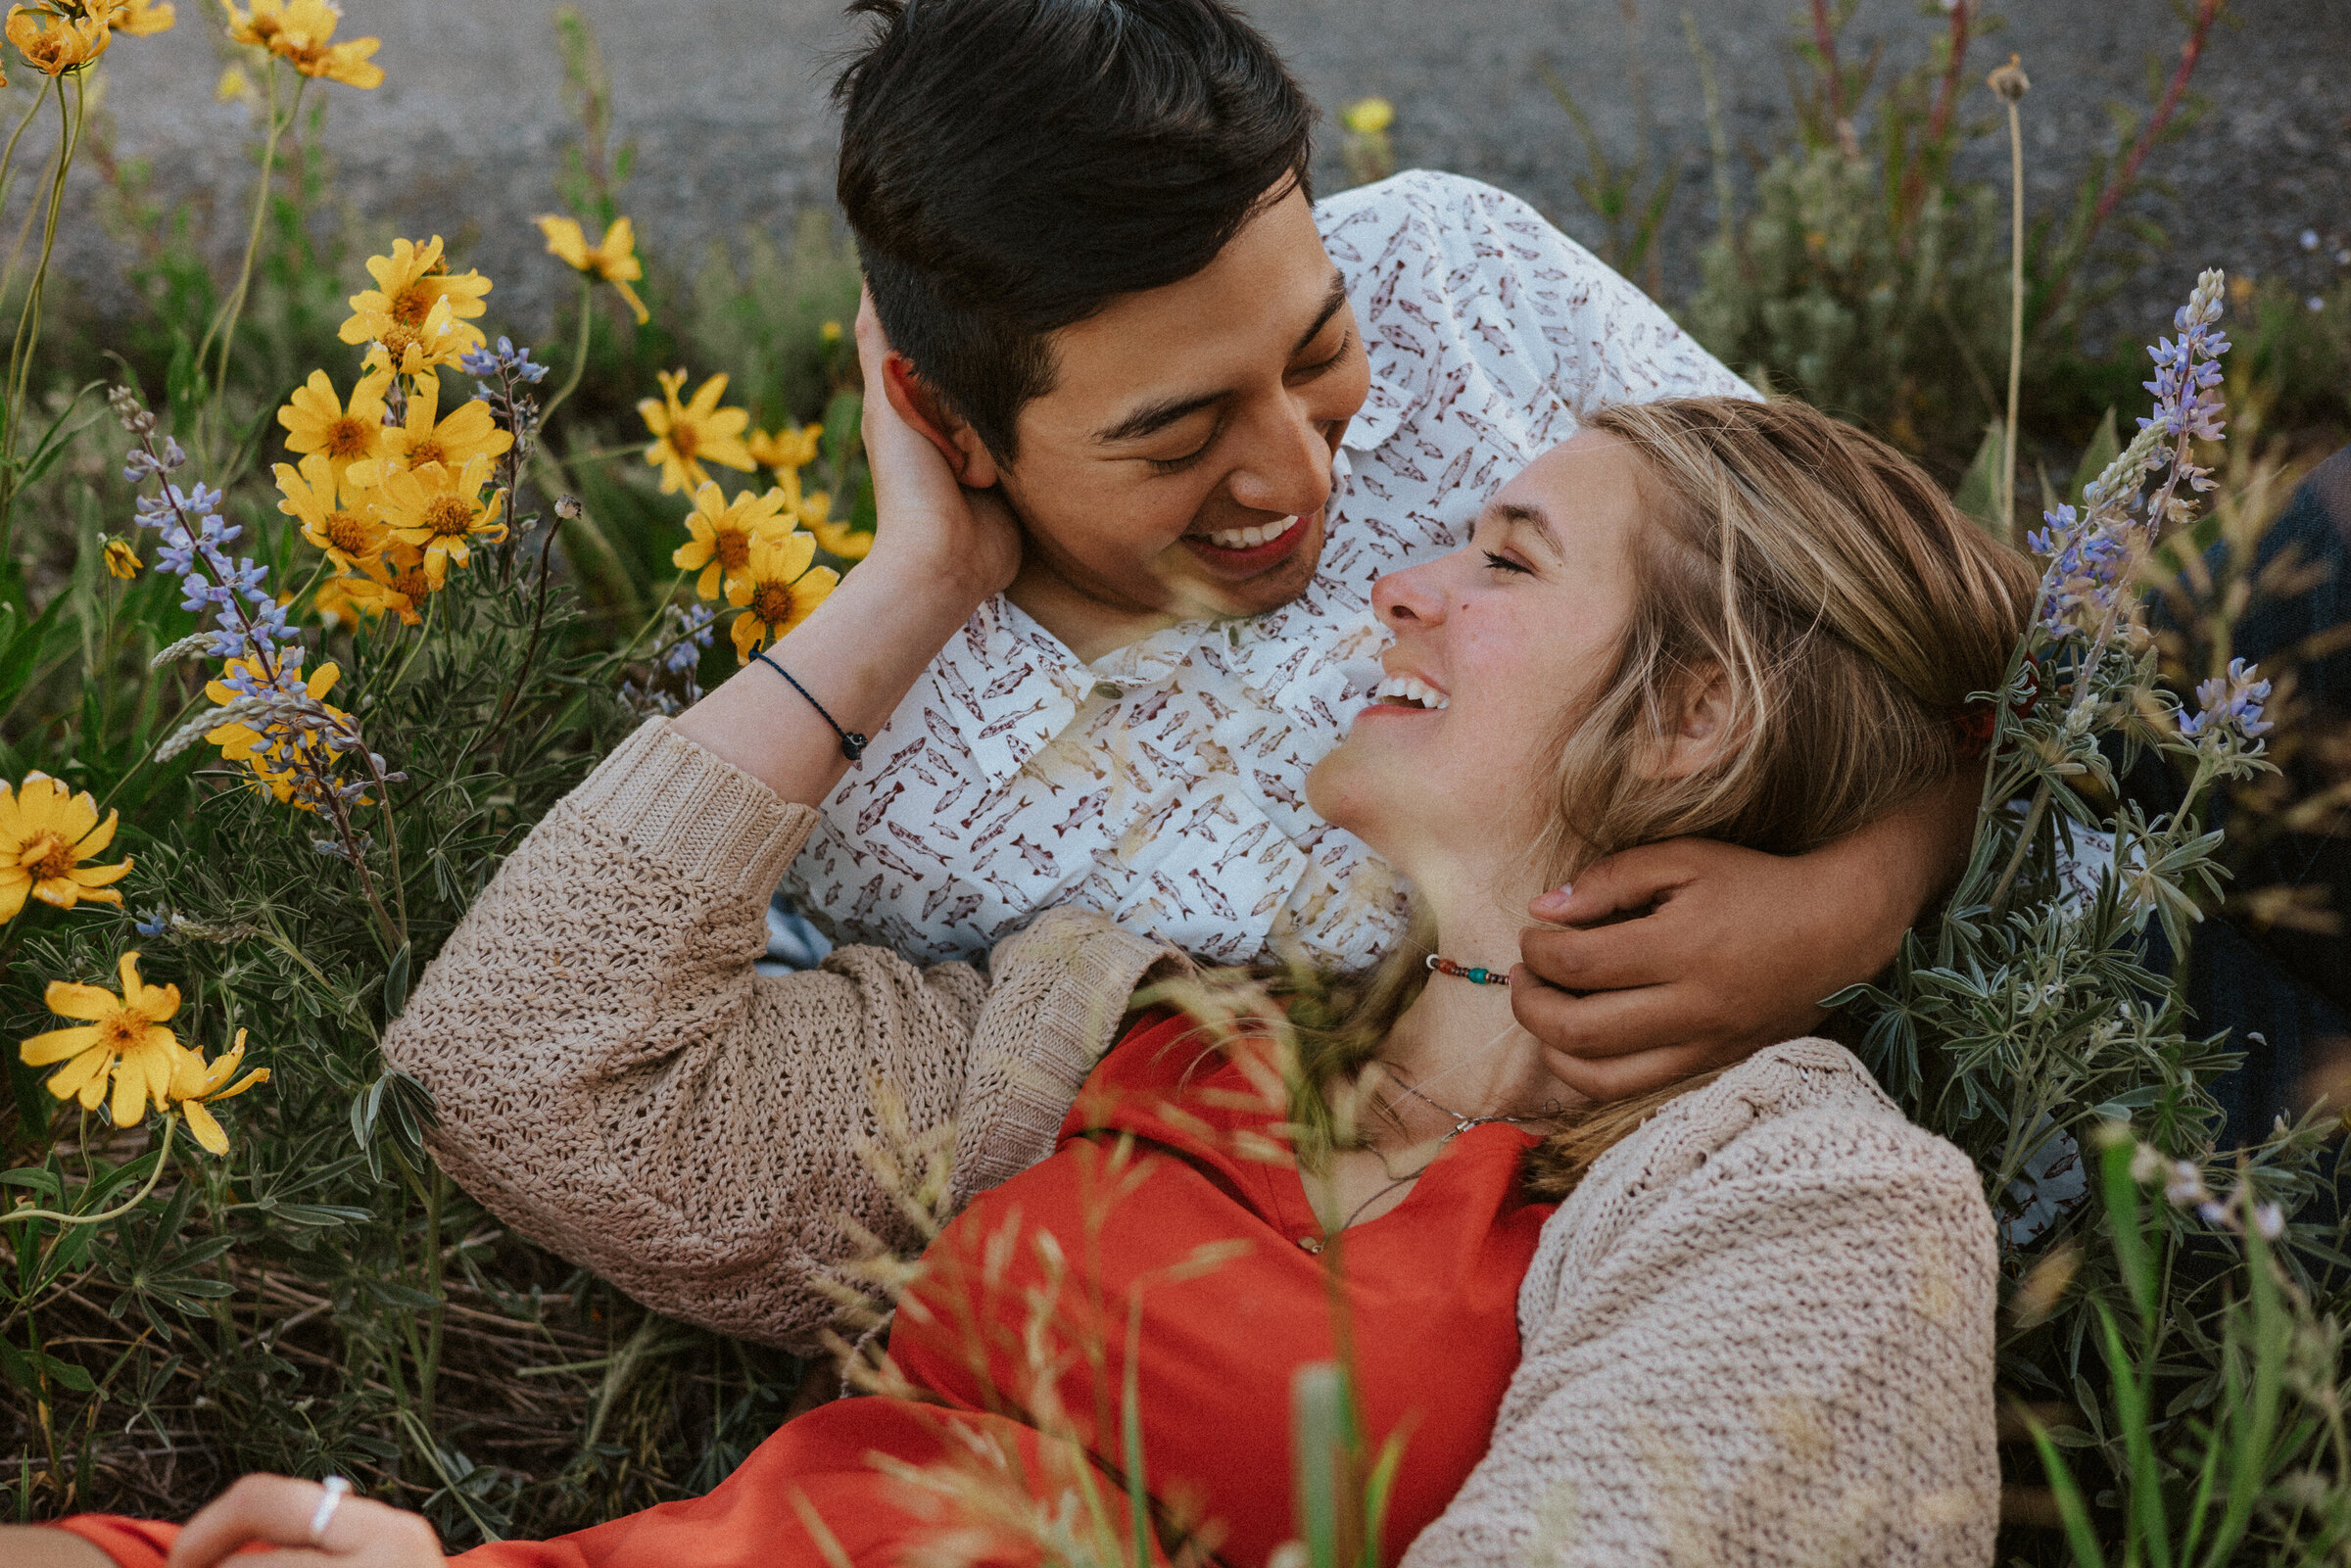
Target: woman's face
(1450,763)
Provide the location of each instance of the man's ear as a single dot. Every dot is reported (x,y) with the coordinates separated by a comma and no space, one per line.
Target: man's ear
(1706,726)
(926,412)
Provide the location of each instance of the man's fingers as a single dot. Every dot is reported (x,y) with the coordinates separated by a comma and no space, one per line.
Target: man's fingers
(1620,1077)
(1621,885)
(1607,1023)
(1603,958)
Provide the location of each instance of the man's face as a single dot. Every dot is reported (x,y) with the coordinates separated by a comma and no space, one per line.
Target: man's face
(1181,461)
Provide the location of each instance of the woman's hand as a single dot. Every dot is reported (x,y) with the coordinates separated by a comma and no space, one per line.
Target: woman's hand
(278,1510)
(924,514)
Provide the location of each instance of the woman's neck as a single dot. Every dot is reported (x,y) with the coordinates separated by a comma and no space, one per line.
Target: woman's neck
(1458,1047)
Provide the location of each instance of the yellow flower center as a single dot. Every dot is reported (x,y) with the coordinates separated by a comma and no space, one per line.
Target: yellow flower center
(412,584)
(123,1029)
(447,518)
(683,441)
(348,534)
(350,437)
(771,602)
(412,305)
(427,450)
(397,342)
(48,856)
(734,547)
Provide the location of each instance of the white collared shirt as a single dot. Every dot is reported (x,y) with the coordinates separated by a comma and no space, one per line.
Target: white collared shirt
(1165,783)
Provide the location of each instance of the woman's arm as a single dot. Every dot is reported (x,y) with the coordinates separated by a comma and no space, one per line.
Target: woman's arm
(613,1078)
(1787,1357)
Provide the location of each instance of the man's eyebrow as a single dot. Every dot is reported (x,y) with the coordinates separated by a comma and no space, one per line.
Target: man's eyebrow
(1154,417)
(1521,514)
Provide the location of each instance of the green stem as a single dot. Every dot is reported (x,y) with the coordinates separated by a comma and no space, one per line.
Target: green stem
(224,325)
(2024,845)
(579,352)
(8,160)
(428,1367)
(29,320)
(2016,311)
(163,1158)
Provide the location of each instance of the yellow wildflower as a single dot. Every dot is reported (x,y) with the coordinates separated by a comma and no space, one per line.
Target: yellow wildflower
(396,582)
(688,435)
(787,451)
(45,836)
(348,534)
(419,351)
(121,1038)
(56,45)
(334,604)
(466,435)
(839,538)
(1368,116)
(304,37)
(829,332)
(344,434)
(614,260)
(401,309)
(196,1082)
(724,533)
(268,752)
(260,26)
(120,559)
(233,87)
(440,511)
(141,18)
(778,592)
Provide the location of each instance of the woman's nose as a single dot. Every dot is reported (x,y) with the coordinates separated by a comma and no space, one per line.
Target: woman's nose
(1411,595)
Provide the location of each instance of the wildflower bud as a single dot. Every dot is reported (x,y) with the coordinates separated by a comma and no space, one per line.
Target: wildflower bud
(568,509)
(124,401)
(2009,81)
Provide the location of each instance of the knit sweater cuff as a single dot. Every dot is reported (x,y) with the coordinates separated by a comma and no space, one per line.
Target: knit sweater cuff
(706,819)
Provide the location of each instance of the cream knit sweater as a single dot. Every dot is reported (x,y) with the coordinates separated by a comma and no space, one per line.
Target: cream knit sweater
(1760,1332)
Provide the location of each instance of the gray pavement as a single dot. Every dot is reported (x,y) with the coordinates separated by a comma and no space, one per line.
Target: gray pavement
(726,100)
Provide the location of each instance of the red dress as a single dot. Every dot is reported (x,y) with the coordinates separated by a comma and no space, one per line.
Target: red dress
(1169,1188)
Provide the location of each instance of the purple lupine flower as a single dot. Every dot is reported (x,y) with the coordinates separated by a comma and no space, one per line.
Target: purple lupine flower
(507,361)
(2229,701)
(692,628)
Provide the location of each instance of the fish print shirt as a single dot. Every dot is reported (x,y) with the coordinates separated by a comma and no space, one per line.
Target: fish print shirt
(1163,784)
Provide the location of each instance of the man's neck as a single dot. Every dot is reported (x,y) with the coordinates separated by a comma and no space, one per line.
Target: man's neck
(1090,628)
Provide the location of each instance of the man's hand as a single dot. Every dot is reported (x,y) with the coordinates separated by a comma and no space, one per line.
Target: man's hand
(277,1510)
(1679,957)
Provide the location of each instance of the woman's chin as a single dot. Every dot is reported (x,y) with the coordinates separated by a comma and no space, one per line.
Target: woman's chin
(1349,789)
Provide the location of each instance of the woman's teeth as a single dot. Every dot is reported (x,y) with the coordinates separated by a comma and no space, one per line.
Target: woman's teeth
(1251,538)
(1404,689)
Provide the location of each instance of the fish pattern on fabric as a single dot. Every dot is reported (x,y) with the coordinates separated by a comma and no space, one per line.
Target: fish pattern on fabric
(1165,783)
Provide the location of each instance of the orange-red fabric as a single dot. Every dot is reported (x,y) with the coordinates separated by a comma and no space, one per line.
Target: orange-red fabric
(1171,1197)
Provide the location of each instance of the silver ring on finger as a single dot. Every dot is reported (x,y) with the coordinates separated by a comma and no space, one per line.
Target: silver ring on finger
(333,1490)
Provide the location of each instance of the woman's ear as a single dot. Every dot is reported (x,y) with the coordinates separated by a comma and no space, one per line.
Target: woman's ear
(922,407)
(1706,726)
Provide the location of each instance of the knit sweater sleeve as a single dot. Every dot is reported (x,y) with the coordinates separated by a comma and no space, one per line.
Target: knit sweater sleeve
(613,1078)
(1785,1358)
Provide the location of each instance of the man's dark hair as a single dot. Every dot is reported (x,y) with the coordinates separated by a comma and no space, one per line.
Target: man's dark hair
(1010,167)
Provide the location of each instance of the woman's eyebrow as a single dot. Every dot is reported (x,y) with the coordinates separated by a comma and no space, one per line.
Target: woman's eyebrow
(1522,514)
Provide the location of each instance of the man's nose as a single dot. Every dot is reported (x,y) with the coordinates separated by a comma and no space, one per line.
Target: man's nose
(1285,468)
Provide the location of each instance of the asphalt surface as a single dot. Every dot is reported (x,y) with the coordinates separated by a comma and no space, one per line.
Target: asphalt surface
(726,100)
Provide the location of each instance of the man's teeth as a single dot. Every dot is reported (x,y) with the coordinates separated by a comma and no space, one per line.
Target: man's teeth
(1404,689)
(1250,537)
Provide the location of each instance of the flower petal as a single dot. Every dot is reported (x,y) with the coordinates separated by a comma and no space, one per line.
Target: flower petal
(208,1131)
(69,1079)
(89,1003)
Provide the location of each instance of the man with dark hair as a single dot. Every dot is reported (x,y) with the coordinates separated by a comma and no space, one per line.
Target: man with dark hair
(1218,413)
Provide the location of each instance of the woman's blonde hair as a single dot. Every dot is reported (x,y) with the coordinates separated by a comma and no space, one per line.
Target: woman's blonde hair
(1847,612)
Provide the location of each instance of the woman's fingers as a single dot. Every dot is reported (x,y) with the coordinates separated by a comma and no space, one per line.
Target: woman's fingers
(278,1510)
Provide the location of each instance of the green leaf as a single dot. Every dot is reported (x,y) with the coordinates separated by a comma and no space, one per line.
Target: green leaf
(396,984)
(1978,495)
(1319,1441)
(2103,449)
(65,1372)
(2080,1535)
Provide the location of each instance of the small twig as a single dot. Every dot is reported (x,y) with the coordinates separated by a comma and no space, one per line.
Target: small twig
(163,1158)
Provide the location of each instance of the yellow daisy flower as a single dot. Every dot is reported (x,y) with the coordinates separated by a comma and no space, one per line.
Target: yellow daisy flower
(452,442)
(197,1083)
(614,260)
(348,534)
(344,434)
(56,45)
(233,87)
(440,511)
(417,352)
(46,833)
(120,559)
(141,18)
(303,37)
(688,435)
(787,451)
(829,332)
(121,1037)
(842,539)
(395,581)
(266,751)
(778,592)
(401,309)
(723,535)
(334,604)
(260,26)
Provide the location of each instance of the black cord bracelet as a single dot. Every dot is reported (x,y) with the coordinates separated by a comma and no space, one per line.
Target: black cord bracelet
(852,745)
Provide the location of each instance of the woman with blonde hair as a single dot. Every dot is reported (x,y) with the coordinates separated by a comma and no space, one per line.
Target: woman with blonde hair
(1749,1319)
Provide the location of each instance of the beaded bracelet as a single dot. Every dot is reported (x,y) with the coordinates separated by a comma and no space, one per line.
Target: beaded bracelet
(852,745)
